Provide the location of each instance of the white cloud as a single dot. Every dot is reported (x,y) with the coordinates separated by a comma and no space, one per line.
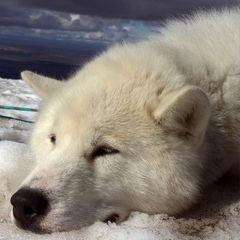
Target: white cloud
(74,16)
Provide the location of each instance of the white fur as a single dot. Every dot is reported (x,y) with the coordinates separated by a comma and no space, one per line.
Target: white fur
(170,106)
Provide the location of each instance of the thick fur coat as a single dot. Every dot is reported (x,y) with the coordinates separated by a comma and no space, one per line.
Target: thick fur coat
(141,127)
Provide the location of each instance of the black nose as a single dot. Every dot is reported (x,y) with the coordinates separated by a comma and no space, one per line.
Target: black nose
(29,205)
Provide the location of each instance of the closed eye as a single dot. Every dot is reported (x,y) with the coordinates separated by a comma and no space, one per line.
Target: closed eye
(102,151)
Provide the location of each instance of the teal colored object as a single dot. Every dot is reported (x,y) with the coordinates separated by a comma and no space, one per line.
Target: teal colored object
(18,108)
(18,119)
(6,107)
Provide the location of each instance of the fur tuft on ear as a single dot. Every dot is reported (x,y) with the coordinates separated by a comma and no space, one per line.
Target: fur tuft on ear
(184,113)
(43,86)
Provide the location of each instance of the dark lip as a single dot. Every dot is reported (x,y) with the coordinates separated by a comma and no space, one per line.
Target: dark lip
(114,217)
(32,228)
(19,224)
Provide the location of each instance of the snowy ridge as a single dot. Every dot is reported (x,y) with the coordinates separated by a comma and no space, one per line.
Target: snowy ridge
(217,216)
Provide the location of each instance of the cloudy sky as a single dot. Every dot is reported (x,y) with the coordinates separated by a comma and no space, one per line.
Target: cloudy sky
(106,20)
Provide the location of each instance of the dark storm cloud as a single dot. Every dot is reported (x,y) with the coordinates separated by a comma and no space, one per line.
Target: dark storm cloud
(127,9)
(14,14)
(96,19)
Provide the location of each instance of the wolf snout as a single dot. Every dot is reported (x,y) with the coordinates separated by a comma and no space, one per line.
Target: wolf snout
(29,205)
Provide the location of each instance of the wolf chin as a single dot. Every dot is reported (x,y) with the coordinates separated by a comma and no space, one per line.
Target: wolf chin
(142,127)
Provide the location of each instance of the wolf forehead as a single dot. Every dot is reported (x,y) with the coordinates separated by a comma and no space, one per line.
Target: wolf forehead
(97,103)
(100,111)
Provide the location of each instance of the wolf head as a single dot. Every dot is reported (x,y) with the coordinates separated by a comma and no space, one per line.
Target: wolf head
(116,137)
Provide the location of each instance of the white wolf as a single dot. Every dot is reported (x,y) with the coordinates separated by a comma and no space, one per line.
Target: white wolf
(142,127)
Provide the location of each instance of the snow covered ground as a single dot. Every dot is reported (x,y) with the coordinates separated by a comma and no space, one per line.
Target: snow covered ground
(217,216)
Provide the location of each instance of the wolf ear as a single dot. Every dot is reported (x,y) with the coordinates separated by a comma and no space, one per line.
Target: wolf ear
(43,86)
(184,113)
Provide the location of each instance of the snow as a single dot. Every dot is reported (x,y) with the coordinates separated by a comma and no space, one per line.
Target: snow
(216,216)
